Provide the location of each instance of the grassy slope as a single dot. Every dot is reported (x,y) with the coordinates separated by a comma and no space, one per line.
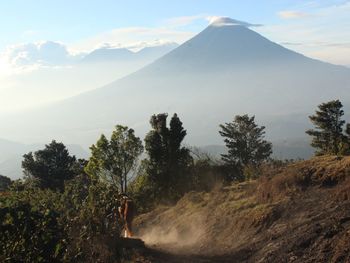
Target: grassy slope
(299,213)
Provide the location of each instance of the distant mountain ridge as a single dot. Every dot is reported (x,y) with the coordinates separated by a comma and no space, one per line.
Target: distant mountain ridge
(110,54)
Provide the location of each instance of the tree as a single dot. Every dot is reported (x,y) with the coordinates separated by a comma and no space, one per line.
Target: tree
(345,145)
(328,137)
(50,166)
(347,130)
(5,182)
(113,160)
(168,162)
(245,142)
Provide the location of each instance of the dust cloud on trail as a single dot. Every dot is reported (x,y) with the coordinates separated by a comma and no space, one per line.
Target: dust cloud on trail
(175,234)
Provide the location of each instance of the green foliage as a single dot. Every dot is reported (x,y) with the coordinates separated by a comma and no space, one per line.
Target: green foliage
(77,225)
(113,160)
(245,142)
(168,164)
(90,223)
(75,195)
(5,183)
(50,166)
(328,137)
(142,189)
(30,231)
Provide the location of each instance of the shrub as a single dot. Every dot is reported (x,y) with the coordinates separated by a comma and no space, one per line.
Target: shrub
(29,232)
(77,225)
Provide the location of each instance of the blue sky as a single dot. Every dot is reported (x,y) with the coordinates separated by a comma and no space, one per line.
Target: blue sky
(70,21)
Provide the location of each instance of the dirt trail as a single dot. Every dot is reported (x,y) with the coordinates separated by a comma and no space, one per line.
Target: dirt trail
(158,256)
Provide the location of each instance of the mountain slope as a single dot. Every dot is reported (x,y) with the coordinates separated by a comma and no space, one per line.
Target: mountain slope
(299,213)
(225,70)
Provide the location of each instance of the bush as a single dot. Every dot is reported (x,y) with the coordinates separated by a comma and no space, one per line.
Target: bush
(93,231)
(77,225)
(29,232)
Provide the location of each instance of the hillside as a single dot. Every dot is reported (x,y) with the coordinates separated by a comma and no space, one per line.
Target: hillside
(299,213)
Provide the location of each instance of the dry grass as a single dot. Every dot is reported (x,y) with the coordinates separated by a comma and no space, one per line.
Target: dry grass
(325,171)
(343,191)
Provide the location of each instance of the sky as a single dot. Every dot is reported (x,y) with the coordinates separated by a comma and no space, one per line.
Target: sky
(53,33)
(77,22)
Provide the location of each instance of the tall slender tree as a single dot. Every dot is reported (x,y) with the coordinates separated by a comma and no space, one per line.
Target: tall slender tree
(167,161)
(328,137)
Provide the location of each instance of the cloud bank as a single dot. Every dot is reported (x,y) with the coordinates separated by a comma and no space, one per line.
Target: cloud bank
(42,53)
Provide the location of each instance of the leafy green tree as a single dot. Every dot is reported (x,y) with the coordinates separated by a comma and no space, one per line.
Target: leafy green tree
(50,166)
(245,142)
(168,162)
(113,160)
(328,137)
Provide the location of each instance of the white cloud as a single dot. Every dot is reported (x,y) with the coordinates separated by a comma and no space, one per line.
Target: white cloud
(226,21)
(133,37)
(42,53)
(290,14)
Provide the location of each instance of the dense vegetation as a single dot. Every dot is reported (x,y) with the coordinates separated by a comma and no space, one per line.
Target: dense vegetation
(64,209)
